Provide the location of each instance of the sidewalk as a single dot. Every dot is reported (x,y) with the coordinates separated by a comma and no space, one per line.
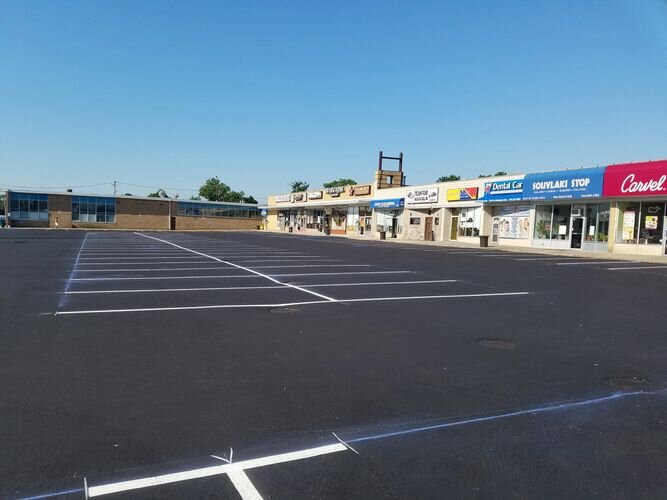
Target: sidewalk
(656,259)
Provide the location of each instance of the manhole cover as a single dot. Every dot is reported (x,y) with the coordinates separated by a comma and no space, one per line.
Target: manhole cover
(497,343)
(629,383)
(284,310)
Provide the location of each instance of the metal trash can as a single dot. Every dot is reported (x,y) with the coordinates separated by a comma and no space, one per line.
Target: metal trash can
(327,231)
(383,235)
(483,241)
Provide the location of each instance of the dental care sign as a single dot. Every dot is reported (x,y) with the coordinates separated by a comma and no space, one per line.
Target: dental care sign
(506,190)
(419,196)
(564,184)
(636,179)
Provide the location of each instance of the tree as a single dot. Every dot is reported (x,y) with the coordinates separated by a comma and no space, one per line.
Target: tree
(154,195)
(298,186)
(249,199)
(447,178)
(128,194)
(195,198)
(340,182)
(214,190)
(497,174)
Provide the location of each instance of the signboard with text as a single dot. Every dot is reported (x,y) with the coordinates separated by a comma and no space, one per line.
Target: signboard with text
(509,190)
(420,196)
(564,184)
(393,203)
(636,179)
(360,190)
(283,198)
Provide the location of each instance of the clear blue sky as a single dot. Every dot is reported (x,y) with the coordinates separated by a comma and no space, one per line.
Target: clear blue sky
(168,93)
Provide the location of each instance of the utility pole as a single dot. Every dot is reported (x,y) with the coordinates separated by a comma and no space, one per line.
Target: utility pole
(115,185)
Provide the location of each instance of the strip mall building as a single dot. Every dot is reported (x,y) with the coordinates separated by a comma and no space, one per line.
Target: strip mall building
(617,208)
(33,209)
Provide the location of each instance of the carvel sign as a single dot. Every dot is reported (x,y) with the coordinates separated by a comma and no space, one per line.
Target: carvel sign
(636,179)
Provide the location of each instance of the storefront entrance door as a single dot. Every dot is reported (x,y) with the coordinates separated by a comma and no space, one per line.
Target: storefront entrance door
(428,228)
(577,232)
(454,231)
(664,237)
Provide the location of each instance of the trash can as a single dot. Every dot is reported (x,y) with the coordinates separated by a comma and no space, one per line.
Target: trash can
(291,229)
(327,231)
(483,241)
(383,235)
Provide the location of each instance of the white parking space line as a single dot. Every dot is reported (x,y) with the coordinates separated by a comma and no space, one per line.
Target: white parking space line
(593,262)
(283,260)
(174,477)
(238,266)
(345,272)
(171,263)
(242,483)
(635,267)
(547,258)
(140,258)
(313,265)
(288,304)
(199,289)
(204,276)
(149,270)
(374,283)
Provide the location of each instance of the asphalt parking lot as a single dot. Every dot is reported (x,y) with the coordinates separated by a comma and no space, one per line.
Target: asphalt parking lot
(255,365)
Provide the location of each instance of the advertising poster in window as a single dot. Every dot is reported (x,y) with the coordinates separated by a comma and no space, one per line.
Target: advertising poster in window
(629,225)
(514,222)
(651,222)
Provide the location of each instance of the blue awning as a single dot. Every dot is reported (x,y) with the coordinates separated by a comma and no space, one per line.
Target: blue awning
(391,203)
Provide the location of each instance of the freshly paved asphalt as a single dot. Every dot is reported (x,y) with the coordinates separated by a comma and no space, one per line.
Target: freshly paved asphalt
(113,396)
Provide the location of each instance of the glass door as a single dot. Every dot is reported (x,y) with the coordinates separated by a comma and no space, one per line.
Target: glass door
(577,232)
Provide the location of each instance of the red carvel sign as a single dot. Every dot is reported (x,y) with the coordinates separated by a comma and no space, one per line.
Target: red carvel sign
(636,179)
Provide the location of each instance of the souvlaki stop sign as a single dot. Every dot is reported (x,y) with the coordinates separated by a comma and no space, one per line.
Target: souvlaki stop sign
(636,179)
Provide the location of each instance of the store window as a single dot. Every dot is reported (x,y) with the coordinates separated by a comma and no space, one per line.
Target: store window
(469,221)
(543,215)
(560,228)
(597,223)
(93,209)
(27,206)
(514,221)
(640,223)
(217,210)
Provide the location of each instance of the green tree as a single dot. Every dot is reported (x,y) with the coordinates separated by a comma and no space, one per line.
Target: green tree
(497,174)
(249,199)
(215,190)
(153,195)
(195,198)
(128,194)
(447,178)
(298,186)
(340,182)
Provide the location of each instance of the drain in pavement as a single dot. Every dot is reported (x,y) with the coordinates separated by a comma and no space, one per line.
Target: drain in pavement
(496,343)
(629,383)
(284,310)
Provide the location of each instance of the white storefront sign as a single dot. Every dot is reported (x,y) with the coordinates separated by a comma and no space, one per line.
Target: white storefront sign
(282,198)
(421,196)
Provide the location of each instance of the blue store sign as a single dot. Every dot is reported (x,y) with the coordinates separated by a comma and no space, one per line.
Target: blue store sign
(564,185)
(509,190)
(392,203)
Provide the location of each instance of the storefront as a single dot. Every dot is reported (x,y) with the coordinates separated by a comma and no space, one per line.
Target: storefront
(388,215)
(464,212)
(511,216)
(639,202)
(422,215)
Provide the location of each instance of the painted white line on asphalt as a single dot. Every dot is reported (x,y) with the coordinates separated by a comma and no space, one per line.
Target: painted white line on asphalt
(635,267)
(285,260)
(242,483)
(240,267)
(313,265)
(193,261)
(147,482)
(345,272)
(592,262)
(127,278)
(151,269)
(381,283)
(288,304)
(138,258)
(548,258)
(199,289)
